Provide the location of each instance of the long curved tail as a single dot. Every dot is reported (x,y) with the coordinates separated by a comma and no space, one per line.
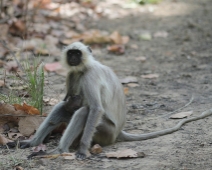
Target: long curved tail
(124,136)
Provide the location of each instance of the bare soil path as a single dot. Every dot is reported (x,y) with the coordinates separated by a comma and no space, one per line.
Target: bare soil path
(183,61)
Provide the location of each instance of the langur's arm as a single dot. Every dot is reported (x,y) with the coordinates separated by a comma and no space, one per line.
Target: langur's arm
(95,113)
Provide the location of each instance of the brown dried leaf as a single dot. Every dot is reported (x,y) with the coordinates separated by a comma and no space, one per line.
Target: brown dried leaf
(134,46)
(95,37)
(128,153)
(133,85)
(96,149)
(1,62)
(6,109)
(31,110)
(42,51)
(2,83)
(150,76)
(89,37)
(17,28)
(68,41)
(125,39)
(41,4)
(53,66)
(27,108)
(39,148)
(18,168)
(116,48)
(4,140)
(41,27)
(142,59)
(69,156)
(50,156)
(116,37)
(50,101)
(11,66)
(129,79)
(181,115)
(29,124)
(126,90)
(4,31)
(162,34)
(14,136)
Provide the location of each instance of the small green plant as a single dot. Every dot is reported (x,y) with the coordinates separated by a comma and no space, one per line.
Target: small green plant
(32,83)
(35,83)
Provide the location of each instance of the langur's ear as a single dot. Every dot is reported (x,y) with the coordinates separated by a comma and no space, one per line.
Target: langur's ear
(89,49)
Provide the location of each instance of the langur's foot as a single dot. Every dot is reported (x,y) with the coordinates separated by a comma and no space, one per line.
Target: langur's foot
(81,155)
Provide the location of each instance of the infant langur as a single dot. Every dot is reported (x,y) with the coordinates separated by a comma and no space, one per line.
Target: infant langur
(102,114)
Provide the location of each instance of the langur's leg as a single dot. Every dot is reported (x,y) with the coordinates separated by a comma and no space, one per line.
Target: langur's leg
(73,130)
(57,116)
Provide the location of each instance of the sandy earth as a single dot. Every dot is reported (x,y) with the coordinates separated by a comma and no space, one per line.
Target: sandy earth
(183,61)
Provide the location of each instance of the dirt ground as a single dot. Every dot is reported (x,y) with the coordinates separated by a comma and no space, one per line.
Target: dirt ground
(183,61)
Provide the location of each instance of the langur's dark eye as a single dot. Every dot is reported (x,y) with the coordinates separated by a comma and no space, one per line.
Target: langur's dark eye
(69,52)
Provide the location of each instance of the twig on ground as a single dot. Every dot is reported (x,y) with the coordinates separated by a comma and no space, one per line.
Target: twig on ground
(25,19)
(170,113)
(177,127)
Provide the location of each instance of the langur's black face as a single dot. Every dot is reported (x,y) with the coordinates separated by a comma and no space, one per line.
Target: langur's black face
(74,57)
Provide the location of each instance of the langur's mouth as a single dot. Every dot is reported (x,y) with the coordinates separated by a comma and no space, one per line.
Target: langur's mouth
(74,63)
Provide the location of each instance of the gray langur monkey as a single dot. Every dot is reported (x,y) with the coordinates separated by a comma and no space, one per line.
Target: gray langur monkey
(102,114)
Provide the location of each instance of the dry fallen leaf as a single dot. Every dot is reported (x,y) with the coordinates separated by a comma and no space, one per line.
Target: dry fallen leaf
(129,79)
(142,59)
(128,153)
(4,32)
(133,85)
(2,83)
(50,101)
(89,37)
(53,66)
(162,34)
(181,115)
(54,156)
(96,149)
(68,156)
(134,46)
(150,76)
(118,39)
(14,136)
(116,48)
(43,4)
(18,168)
(17,28)
(95,37)
(39,148)
(6,109)
(27,108)
(4,140)
(29,124)
(145,36)
(126,90)
(2,63)
(11,66)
